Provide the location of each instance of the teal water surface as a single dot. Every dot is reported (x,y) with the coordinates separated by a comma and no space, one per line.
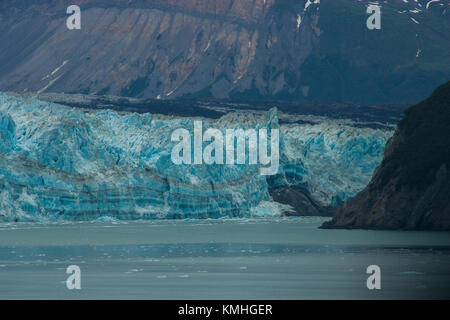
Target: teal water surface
(270,258)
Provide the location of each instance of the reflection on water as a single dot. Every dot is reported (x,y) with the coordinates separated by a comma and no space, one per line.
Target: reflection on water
(49,253)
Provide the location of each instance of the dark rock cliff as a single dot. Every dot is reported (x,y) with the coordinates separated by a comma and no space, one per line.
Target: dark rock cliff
(411,188)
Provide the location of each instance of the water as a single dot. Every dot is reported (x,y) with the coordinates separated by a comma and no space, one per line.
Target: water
(271,258)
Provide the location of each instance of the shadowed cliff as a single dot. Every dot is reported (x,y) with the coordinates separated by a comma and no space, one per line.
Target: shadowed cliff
(411,188)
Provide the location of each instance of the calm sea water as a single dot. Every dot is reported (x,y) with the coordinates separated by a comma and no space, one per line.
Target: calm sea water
(273,258)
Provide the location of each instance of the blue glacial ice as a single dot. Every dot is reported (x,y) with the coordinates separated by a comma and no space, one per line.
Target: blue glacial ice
(62,163)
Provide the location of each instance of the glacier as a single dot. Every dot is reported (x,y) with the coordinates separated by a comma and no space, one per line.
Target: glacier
(64,163)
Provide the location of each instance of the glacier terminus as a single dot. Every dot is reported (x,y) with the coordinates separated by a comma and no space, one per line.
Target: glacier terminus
(64,163)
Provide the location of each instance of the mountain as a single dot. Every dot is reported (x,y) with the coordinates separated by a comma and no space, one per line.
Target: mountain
(72,163)
(411,187)
(227,49)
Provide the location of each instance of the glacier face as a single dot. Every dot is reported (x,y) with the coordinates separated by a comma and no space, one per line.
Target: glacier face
(58,162)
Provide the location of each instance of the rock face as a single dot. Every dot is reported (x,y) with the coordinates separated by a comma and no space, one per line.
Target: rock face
(300,200)
(237,49)
(411,188)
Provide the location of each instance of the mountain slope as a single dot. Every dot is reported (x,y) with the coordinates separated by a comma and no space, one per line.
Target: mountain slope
(411,188)
(246,49)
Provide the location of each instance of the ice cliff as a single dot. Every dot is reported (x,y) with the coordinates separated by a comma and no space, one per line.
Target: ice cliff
(66,163)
